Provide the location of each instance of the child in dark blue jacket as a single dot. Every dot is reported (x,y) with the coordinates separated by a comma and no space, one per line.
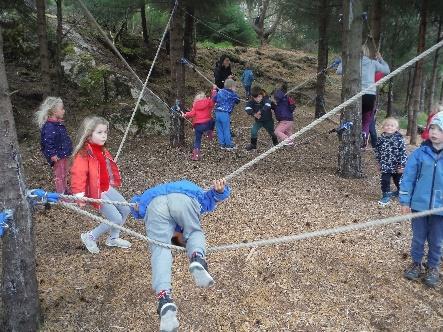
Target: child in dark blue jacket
(55,142)
(421,189)
(225,100)
(247,78)
(284,113)
(163,208)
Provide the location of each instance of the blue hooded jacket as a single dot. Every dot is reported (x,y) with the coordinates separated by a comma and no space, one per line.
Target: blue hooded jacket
(55,141)
(225,100)
(421,187)
(208,199)
(247,77)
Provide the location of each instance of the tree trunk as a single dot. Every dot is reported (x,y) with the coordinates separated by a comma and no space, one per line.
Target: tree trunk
(421,107)
(408,88)
(177,133)
(377,10)
(431,94)
(349,154)
(322,61)
(389,110)
(43,43)
(58,54)
(143,19)
(21,310)
(189,47)
(410,101)
(441,92)
(412,122)
(259,24)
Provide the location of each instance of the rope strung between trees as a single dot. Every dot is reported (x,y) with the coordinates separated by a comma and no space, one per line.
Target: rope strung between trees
(334,111)
(144,85)
(116,51)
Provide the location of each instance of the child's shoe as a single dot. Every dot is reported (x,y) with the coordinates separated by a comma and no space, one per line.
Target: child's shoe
(252,145)
(230,147)
(195,155)
(274,140)
(432,277)
(118,242)
(385,199)
(413,271)
(395,194)
(89,242)
(167,311)
(199,271)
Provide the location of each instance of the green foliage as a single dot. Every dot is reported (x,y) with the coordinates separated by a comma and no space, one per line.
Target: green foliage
(210,44)
(92,85)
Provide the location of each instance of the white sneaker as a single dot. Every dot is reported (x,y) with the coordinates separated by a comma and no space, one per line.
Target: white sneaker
(90,244)
(118,242)
(290,143)
(168,318)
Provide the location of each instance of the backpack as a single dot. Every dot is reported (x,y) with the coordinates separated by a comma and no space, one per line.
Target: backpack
(291,103)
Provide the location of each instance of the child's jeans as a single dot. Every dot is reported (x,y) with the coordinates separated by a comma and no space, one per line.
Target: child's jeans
(284,129)
(60,170)
(430,229)
(163,214)
(115,213)
(248,90)
(385,181)
(200,129)
(268,125)
(223,126)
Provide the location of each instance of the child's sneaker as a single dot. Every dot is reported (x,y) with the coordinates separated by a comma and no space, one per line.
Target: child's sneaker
(199,271)
(89,242)
(432,277)
(118,242)
(167,311)
(195,155)
(413,271)
(230,147)
(395,194)
(385,199)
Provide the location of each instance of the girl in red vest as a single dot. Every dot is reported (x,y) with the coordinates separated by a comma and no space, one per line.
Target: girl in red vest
(95,174)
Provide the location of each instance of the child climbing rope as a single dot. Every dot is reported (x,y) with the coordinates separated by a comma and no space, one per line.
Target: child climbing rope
(260,108)
(94,174)
(201,114)
(420,190)
(284,113)
(390,152)
(164,207)
(247,78)
(55,142)
(225,100)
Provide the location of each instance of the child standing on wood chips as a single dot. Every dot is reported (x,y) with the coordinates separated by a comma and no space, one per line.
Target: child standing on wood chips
(284,113)
(163,208)
(421,189)
(390,152)
(95,174)
(55,142)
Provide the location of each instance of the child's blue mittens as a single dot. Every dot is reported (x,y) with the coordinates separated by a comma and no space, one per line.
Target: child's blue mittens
(140,212)
(44,196)
(218,197)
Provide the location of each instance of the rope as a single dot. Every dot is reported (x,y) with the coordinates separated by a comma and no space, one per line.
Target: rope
(75,208)
(96,200)
(116,51)
(334,111)
(144,85)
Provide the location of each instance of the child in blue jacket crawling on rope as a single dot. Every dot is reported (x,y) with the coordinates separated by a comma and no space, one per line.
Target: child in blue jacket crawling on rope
(163,208)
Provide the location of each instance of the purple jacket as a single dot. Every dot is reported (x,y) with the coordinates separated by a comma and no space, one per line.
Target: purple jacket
(55,141)
(283,111)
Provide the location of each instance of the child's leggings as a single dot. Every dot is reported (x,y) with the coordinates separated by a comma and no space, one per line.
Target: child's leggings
(163,213)
(199,130)
(284,129)
(115,213)
(60,169)
(430,229)
(385,181)
(367,109)
(223,126)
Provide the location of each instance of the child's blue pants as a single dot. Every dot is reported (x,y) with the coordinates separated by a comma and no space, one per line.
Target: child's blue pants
(223,126)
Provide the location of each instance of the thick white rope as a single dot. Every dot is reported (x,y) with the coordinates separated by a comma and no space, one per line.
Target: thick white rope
(116,51)
(334,111)
(144,85)
(95,200)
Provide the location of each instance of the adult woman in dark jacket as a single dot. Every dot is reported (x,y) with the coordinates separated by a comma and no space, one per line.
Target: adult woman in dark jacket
(222,71)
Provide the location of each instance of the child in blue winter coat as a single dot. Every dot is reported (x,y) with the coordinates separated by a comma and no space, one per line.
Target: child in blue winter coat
(390,152)
(163,208)
(225,101)
(421,189)
(247,78)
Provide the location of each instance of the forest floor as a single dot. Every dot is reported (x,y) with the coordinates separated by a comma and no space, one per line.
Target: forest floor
(347,282)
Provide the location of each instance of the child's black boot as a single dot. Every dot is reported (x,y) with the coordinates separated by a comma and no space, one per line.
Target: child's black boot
(432,277)
(199,271)
(274,140)
(413,271)
(253,145)
(167,311)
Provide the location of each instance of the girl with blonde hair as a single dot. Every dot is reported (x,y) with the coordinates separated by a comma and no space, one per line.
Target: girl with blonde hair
(95,174)
(55,143)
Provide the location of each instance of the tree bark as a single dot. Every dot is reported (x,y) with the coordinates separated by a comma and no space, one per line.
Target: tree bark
(177,133)
(376,16)
(431,94)
(144,24)
(408,89)
(43,44)
(189,47)
(58,54)
(322,62)
(349,154)
(389,110)
(441,92)
(259,24)
(21,310)
(412,122)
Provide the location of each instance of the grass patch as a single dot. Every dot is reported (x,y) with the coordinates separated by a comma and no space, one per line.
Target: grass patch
(422,117)
(210,44)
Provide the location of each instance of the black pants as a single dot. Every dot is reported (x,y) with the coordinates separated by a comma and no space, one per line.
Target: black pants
(385,181)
